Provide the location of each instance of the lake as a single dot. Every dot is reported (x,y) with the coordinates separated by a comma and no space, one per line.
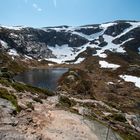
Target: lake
(43,78)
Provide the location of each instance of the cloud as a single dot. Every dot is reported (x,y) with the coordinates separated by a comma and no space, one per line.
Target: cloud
(37,7)
(55,3)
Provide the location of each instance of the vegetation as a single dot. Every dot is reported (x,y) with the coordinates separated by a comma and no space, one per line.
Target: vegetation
(20,87)
(14,66)
(23,87)
(10,97)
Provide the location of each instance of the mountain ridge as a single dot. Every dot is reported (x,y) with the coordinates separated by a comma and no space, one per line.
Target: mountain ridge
(40,43)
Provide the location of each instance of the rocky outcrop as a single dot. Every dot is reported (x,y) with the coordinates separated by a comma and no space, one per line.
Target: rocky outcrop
(117,29)
(89,30)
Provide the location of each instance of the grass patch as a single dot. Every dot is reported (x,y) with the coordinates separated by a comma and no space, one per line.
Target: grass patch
(4,82)
(10,97)
(22,88)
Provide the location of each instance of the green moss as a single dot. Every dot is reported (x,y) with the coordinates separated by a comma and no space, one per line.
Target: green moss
(10,97)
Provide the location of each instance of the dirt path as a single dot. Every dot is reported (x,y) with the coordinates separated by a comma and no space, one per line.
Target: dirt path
(59,124)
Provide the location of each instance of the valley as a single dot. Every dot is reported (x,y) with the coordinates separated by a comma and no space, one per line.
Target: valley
(100,88)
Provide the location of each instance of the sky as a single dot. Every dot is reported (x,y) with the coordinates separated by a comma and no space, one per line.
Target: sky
(43,13)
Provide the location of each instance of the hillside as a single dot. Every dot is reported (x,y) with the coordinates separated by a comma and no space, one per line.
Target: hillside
(102,84)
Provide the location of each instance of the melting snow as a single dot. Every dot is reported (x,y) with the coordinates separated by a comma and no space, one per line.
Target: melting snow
(110,83)
(13,27)
(14,35)
(133,79)
(65,53)
(139,50)
(79,60)
(28,57)
(105,64)
(50,64)
(89,37)
(111,46)
(106,25)
(13,52)
(4,44)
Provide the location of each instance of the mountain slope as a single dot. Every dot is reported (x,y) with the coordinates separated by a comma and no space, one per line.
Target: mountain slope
(64,43)
(103,83)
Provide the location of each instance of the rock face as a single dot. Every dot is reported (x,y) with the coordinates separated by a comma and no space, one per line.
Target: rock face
(44,43)
(117,29)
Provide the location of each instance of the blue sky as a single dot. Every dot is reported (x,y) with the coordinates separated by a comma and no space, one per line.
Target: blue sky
(41,13)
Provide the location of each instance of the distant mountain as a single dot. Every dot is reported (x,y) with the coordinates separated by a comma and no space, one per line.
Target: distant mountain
(67,44)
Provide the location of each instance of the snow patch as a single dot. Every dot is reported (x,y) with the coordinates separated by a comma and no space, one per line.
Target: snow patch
(79,60)
(13,35)
(65,53)
(106,25)
(50,64)
(139,50)
(110,83)
(133,79)
(89,37)
(13,27)
(28,57)
(4,44)
(105,64)
(13,52)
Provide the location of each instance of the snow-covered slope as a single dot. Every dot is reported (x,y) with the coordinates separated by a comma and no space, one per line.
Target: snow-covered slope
(64,44)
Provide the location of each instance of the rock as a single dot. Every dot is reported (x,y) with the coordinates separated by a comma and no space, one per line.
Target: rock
(133,120)
(116,29)
(4,69)
(71,78)
(90,31)
(22,105)
(29,110)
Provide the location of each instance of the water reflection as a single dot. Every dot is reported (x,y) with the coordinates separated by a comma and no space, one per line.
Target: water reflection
(44,78)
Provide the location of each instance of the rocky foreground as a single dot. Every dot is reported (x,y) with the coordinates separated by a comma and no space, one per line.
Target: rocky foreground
(44,119)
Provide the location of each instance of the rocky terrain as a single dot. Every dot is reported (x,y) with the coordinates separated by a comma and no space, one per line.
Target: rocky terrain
(101,88)
(70,42)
